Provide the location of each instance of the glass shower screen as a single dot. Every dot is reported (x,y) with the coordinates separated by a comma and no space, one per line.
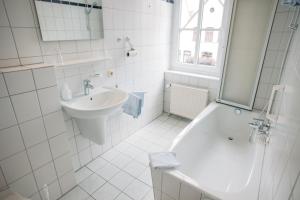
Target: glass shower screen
(249,31)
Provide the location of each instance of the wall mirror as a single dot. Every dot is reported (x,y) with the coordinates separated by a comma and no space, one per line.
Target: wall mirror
(70,20)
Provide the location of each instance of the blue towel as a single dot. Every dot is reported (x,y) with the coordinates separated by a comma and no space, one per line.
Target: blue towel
(133,106)
(291,2)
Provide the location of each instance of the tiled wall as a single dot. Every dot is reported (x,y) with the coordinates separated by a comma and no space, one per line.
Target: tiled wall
(282,159)
(169,186)
(193,80)
(33,142)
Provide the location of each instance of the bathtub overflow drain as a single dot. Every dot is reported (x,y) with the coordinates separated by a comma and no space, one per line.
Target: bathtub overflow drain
(230,138)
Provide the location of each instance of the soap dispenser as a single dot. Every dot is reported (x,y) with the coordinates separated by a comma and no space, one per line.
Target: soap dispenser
(66,93)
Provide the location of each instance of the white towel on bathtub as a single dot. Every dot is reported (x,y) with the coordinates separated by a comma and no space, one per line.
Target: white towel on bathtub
(163,160)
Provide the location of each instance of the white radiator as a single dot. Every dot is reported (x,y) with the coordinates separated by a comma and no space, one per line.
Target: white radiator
(187,101)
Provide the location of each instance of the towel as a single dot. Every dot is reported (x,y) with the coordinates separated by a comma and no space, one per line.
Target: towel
(291,2)
(133,106)
(163,160)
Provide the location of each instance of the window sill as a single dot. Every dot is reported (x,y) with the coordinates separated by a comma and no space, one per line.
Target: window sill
(201,71)
(195,75)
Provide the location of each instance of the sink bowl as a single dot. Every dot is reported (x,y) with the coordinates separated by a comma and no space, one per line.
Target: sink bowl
(100,102)
(91,111)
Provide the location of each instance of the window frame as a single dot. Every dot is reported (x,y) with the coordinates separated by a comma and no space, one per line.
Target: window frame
(223,37)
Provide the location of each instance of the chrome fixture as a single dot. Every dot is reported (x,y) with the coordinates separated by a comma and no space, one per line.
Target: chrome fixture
(260,127)
(87,86)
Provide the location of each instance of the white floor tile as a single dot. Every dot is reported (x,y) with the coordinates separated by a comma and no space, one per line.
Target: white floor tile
(135,168)
(108,171)
(106,192)
(133,151)
(110,154)
(97,164)
(121,180)
(122,146)
(76,194)
(82,174)
(92,183)
(121,160)
(143,159)
(90,198)
(123,196)
(137,190)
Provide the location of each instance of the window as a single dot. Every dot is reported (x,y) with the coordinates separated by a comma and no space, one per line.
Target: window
(200,23)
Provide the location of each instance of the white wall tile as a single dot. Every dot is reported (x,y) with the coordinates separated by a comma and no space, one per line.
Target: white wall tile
(9,62)
(26,106)
(7,45)
(27,42)
(58,145)
(54,124)
(82,142)
(19,82)
(15,167)
(33,132)
(39,155)
(31,60)
(7,116)
(67,181)
(44,77)
(49,100)
(45,175)
(63,164)
(25,186)
(19,13)
(3,184)
(85,156)
(54,191)
(3,90)
(3,17)
(10,142)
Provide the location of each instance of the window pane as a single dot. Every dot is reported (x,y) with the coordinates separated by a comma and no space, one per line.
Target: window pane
(212,14)
(208,48)
(189,14)
(187,46)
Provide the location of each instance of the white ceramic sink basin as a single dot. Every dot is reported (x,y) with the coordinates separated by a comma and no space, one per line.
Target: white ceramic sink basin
(99,103)
(91,111)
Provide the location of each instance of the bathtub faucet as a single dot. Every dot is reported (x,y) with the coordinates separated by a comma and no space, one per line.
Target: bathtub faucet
(262,126)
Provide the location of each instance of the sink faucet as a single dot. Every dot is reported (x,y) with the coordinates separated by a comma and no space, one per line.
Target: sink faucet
(261,126)
(87,86)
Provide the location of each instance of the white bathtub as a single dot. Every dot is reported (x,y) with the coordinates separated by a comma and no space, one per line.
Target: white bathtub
(217,159)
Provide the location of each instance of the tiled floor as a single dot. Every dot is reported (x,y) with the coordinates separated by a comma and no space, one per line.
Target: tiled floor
(123,173)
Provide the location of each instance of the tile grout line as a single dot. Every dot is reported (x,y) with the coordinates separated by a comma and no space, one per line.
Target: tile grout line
(11,31)
(23,141)
(48,140)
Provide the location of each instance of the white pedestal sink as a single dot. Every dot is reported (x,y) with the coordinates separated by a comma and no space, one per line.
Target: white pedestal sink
(91,111)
